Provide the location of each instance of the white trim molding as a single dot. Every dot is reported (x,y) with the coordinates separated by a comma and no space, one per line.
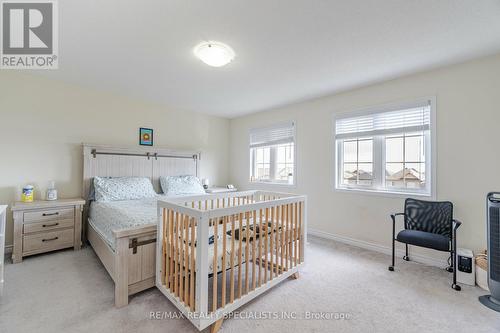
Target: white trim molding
(426,260)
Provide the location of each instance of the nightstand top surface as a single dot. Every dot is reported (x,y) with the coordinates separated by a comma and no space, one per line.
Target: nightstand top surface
(19,205)
(220,189)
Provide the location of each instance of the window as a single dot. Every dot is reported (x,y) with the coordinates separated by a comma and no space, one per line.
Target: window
(386,150)
(272,154)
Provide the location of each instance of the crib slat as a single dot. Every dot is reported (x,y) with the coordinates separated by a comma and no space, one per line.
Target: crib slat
(282,238)
(247,248)
(294,233)
(214,283)
(300,233)
(240,234)
(279,232)
(272,245)
(164,248)
(231,274)
(265,245)
(287,238)
(176,251)
(186,261)
(254,240)
(223,294)
(181,256)
(171,249)
(192,277)
(260,247)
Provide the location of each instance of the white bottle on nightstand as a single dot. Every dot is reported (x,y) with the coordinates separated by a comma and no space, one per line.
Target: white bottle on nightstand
(51,191)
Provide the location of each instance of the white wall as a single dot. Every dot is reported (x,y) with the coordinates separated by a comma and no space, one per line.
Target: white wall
(44,122)
(468,163)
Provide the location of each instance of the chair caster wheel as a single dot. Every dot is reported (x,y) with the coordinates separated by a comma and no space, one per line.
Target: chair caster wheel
(391,268)
(456,287)
(449,269)
(406,258)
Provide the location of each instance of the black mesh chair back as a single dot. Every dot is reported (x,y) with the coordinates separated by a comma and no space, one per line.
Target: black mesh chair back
(429,216)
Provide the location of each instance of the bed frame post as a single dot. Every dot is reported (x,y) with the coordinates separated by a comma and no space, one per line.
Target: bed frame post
(121,272)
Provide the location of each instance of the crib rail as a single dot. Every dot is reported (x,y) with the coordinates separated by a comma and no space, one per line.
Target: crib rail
(251,241)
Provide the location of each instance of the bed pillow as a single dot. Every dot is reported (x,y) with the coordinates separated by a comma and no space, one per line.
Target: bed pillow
(181,185)
(123,188)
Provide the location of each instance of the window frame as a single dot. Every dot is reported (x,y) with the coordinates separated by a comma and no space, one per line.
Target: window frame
(379,154)
(273,162)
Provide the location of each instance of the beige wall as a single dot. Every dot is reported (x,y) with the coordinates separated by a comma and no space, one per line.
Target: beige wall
(468,165)
(44,122)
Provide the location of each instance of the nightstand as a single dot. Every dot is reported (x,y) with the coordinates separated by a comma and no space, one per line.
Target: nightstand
(43,226)
(215,189)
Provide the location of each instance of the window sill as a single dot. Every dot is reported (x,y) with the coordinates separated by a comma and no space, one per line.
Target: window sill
(274,184)
(391,194)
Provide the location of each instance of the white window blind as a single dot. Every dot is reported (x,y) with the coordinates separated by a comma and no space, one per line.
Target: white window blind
(273,135)
(411,119)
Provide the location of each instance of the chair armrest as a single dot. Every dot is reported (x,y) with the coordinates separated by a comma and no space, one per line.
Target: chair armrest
(393,216)
(456,224)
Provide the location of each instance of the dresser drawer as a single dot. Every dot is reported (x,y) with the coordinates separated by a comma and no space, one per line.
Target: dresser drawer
(48,241)
(48,225)
(49,215)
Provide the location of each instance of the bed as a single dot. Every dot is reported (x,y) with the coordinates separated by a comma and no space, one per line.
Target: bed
(123,235)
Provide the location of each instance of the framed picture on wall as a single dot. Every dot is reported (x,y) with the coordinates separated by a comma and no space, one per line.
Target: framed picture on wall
(145,136)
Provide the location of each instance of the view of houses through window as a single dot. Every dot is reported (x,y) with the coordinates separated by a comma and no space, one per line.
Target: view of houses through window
(404,161)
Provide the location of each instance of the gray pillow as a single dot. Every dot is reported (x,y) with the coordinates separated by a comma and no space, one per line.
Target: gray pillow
(123,188)
(181,185)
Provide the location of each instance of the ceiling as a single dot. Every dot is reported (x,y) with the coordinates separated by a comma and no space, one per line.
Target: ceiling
(286,50)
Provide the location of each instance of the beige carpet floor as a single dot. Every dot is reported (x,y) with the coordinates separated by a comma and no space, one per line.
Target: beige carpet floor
(345,288)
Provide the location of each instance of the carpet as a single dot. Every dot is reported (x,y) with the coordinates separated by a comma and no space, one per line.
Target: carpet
(341,289)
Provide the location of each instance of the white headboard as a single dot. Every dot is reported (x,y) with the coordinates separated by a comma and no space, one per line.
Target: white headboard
(151,162)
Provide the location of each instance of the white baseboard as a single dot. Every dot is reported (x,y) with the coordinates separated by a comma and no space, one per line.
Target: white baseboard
(378,248)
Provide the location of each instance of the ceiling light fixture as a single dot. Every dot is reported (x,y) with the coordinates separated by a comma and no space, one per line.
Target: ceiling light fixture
(214,54)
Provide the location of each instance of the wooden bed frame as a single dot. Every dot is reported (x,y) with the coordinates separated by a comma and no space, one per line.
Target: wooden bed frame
(132,264)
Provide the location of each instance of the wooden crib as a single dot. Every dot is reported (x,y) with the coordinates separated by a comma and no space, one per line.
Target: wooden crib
(252,241)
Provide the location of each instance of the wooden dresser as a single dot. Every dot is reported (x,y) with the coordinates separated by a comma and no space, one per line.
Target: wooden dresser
(43,226)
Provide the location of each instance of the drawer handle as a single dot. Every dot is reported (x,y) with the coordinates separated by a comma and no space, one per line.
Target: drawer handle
(50,225)
(50,239)
(50,214)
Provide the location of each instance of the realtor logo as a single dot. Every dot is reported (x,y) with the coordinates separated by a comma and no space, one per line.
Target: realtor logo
(29,35)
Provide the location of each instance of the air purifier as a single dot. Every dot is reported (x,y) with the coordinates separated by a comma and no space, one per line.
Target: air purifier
(493,238)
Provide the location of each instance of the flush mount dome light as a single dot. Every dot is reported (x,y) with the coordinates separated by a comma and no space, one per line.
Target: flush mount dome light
(214,54)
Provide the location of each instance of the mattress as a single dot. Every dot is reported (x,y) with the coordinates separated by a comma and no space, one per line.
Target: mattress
(106,217)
